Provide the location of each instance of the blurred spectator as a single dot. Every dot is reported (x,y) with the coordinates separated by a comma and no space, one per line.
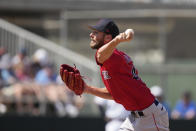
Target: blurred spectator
(185,108)
(114,113)
(46,75)
(62,102)
(41,56)
(21,65)
(39,59)
(157,91)
(6,72)
(27,96)
(55,100)
(34,68)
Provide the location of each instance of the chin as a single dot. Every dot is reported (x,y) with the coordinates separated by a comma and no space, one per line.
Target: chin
(93,45)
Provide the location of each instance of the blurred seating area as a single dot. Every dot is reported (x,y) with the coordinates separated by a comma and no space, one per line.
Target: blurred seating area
(30,86)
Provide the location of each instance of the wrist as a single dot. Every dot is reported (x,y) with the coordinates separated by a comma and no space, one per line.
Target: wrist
(86,88)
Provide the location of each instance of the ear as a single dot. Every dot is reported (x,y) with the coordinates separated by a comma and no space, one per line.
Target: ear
(107,38)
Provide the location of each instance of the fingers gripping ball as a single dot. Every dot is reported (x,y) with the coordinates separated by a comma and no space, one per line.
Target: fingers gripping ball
(129,33)
(72,78)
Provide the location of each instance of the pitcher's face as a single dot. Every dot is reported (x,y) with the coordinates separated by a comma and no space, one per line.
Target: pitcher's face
(97,39)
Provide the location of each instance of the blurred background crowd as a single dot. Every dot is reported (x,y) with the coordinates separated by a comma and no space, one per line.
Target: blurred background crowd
(30,86)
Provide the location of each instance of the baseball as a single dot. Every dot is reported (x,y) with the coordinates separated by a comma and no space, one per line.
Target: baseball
(129,31)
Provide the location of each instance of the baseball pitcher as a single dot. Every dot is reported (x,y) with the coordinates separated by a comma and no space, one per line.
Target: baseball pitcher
(122,83)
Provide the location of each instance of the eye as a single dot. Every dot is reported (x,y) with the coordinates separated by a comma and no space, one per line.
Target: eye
(95,32)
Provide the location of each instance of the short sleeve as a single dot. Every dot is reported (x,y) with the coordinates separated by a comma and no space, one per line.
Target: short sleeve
(114,62)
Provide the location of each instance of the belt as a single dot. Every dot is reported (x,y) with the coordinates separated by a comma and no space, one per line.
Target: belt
(141,113)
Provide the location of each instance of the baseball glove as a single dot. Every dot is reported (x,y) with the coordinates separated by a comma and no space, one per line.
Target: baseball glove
(72,78)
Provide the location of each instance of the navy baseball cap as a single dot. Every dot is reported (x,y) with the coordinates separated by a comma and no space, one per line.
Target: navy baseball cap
(107,26)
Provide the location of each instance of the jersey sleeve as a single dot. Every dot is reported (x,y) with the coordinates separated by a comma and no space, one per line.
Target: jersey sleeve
(114,62)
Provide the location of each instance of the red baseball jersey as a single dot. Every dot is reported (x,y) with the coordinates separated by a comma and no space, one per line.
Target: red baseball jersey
(122,81)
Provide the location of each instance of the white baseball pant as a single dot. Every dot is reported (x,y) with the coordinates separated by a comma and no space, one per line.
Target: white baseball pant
(155,118)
